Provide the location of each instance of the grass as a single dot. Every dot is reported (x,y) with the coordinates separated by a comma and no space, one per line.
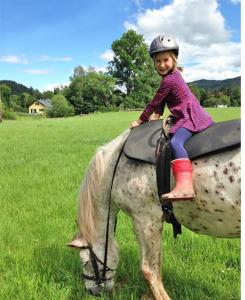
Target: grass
(42,162)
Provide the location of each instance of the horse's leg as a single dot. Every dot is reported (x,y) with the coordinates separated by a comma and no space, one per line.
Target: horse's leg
(149,234)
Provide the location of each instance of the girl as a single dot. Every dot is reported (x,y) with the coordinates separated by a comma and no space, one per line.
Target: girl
(189,115)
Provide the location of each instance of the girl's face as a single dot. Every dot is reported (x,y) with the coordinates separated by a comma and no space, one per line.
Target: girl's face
(163,63)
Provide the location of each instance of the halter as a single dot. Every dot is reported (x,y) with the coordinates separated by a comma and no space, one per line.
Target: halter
(101,279)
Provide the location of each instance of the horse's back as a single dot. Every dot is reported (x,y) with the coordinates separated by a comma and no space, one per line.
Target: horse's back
(216,209)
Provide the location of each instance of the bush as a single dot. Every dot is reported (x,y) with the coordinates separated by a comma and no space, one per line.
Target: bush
(60,107)
(9,115)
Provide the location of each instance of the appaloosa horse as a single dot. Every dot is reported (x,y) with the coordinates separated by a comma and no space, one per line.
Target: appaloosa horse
(215,211)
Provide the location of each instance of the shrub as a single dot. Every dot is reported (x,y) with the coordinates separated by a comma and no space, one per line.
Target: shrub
(60,107)
(9,115)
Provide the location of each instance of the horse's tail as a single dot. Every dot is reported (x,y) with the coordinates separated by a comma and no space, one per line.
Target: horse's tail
(95,188)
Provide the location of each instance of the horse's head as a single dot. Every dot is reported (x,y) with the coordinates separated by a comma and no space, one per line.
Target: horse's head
(98,274)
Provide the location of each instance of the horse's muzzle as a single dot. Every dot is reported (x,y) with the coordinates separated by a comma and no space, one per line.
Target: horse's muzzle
(95,291)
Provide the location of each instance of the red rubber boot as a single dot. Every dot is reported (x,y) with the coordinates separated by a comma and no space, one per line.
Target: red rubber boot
(182,171)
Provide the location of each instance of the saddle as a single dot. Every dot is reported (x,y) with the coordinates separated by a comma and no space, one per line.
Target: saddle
(149,143)
(143,140)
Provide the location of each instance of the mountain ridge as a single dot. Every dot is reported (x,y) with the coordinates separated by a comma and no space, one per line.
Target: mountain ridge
(215,84)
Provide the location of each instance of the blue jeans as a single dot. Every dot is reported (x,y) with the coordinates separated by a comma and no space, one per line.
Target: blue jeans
(178,140)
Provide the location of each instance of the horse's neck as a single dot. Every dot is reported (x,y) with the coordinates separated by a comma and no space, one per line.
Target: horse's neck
(102,234)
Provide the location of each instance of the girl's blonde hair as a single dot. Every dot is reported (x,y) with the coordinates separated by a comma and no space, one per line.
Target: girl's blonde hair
(174,57)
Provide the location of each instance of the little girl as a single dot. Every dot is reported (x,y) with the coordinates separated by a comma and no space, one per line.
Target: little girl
(190,117)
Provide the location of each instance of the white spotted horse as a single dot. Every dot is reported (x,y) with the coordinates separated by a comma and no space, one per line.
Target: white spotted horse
(122,178)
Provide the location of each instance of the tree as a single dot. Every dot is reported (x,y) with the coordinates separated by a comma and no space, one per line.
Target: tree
(90,91)
(195,90)
(224,100)
(98,91)
(14,103)
(79,71)
(47,95)
(212,102)
(26,100)
(1,109)
(133,68)
(235,95)
(60,107)
(5,93)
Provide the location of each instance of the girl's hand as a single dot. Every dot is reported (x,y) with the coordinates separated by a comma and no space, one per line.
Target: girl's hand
(136,123)
(154,117)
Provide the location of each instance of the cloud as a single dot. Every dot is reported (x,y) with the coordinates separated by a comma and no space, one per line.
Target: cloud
(199,28)
(107,55)
(52,86)
(50,58)
(235,1)
(36,71)
(13,59)
(193,21)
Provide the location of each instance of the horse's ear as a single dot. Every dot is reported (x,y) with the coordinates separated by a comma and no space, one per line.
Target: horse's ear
(78,242)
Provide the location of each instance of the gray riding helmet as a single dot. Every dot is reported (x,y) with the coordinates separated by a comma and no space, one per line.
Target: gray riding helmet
(163,43)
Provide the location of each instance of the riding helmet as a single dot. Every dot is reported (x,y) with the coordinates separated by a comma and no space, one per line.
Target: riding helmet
(163,43)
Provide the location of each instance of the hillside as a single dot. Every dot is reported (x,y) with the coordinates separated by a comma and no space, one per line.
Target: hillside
(16,88)
(216,84)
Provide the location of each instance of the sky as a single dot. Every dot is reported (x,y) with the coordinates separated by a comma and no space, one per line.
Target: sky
(41,42)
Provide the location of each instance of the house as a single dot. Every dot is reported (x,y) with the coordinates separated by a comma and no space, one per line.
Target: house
(38,106)
(221,105)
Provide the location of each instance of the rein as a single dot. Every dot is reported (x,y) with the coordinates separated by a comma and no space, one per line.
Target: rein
(101,279)
(95,260)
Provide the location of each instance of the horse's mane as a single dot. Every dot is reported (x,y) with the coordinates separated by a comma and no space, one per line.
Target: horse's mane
(96,185)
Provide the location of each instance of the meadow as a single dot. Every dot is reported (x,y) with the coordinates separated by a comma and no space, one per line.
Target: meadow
(42,162)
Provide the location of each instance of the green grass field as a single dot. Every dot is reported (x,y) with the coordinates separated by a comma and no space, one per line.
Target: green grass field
(42,162)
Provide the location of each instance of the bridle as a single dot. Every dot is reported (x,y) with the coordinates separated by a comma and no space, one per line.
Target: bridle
(101,279)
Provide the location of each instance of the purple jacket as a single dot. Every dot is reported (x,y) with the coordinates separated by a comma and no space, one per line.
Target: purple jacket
(181,102)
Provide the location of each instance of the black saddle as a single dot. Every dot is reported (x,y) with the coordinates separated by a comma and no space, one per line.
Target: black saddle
(143,140)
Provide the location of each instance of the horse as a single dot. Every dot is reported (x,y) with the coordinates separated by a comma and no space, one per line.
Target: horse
(114,182)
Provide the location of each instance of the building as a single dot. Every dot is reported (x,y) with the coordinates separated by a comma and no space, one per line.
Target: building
(38,106)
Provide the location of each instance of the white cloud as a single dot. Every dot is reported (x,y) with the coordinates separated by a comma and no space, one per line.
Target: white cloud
(199,28)
(193,21)
(53,58)
(36,71)
(235,1)
(14,59)
(107,55)
(52,86)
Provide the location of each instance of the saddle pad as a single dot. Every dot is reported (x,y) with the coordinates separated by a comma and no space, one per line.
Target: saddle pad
(142,140)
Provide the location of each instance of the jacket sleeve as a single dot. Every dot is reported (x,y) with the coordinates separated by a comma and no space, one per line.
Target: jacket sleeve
(157,103)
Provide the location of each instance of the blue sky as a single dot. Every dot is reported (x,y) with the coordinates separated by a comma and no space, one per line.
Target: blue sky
(41,42)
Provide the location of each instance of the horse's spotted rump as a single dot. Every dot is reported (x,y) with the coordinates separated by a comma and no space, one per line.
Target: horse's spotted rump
(217,187)
(226,171)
